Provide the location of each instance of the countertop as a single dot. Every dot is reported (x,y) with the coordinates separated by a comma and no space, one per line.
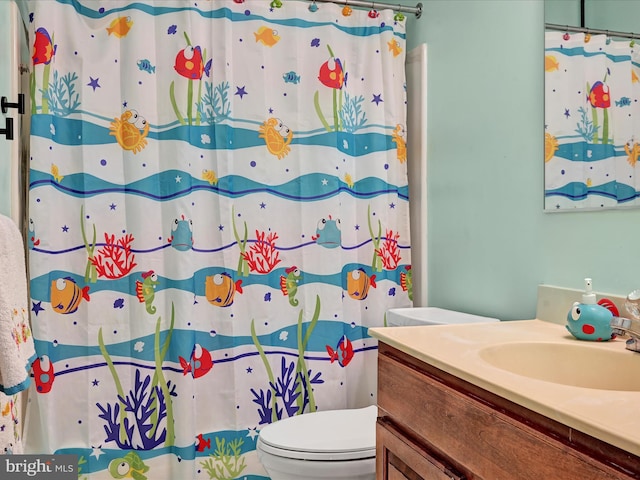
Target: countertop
(612,416)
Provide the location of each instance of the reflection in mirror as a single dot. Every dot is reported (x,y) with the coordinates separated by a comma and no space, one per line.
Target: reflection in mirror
(591,102)
(592,121)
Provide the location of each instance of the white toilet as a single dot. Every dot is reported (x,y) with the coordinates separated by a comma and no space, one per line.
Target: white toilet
(338,444)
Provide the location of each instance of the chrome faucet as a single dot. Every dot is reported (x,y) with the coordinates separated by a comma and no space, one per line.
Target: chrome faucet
(627,326)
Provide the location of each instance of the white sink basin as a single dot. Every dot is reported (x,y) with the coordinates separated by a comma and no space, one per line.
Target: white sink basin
(580,365)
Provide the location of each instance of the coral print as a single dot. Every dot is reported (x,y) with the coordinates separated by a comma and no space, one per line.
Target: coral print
(219,215)
(389,252)
(263,256)
(115,259)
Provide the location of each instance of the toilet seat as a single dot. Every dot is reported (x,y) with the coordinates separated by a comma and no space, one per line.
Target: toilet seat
(338,435)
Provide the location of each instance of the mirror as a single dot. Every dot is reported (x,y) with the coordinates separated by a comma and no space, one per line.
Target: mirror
(592,105)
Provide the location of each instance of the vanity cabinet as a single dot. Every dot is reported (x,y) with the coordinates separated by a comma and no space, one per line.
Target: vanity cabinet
(433,425)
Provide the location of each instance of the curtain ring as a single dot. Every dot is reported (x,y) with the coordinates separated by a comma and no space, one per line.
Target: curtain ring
(398,17)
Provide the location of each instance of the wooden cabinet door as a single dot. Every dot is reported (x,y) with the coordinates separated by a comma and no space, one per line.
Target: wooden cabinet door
(401,458)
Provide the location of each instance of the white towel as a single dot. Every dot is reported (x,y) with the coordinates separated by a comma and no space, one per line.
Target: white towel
(10,424)
(17,350)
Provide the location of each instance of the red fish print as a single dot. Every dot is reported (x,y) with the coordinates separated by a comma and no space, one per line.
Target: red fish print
(189,63)
(43,374)
(599,96)
(331,73)
(199,364)
(201,443)
(43,48)
(343,352)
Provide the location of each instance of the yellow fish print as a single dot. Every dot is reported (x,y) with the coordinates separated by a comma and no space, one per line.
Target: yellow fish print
(394,47)
(267,36)
(348,180)
(550,63)
(56,173)
(120,26)
(210,176)
(634,76)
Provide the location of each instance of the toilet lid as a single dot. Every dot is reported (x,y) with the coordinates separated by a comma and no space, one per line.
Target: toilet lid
(329,435)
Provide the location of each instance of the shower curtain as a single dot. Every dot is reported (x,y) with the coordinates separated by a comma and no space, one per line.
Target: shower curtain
(219,212)
(592,137)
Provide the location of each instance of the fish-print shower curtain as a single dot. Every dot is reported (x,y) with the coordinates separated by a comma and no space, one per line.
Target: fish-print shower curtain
(592,122)
(219,212)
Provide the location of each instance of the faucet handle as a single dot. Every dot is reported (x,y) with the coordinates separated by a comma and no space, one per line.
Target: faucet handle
(632,304)
(620,322)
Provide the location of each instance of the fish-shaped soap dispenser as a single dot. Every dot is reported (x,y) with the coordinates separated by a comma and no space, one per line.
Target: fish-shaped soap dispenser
(589,319)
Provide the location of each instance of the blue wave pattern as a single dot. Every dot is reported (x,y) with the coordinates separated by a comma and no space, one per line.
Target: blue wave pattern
(219,210)
(591,135)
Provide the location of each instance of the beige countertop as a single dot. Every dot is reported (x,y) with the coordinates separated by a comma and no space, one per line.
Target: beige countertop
(612,416)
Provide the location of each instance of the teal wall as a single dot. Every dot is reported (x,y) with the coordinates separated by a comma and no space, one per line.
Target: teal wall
(489,242)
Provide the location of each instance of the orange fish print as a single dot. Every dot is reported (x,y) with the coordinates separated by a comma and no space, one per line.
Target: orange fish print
(267,36)
(358,283)
(220,289)
(120,26)
(66,295)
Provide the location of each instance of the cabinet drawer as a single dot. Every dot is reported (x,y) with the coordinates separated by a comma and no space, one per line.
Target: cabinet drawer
(399,457)
(478,438)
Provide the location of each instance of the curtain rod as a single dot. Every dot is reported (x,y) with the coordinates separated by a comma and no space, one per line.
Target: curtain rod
(417,10)
(610,33)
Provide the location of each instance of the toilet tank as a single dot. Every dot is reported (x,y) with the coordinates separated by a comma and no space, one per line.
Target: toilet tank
(400,317)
